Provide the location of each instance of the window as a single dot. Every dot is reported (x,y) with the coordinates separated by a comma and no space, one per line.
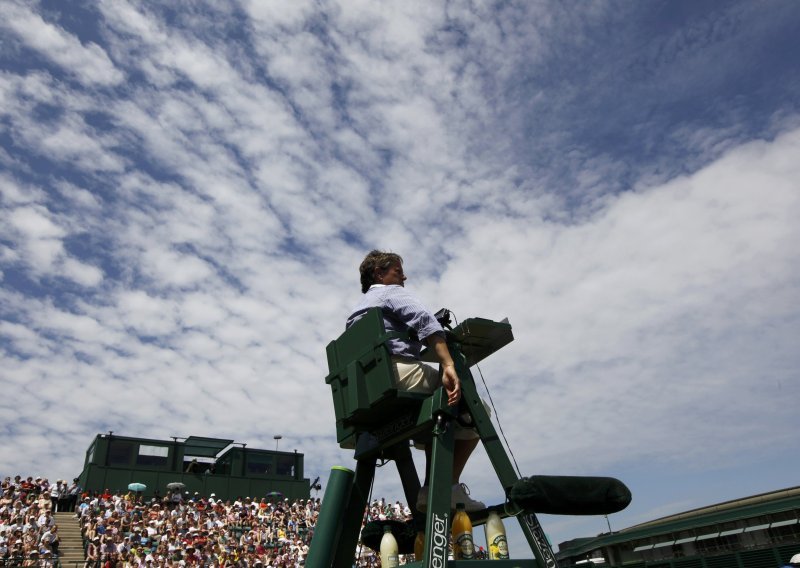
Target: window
(224,465)
(781,532)
(198,464)
(119,452)
(718,545)
(154,456)
(285,465)
(259,464)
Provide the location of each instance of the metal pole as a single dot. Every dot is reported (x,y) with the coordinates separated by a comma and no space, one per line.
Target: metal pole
(324,544)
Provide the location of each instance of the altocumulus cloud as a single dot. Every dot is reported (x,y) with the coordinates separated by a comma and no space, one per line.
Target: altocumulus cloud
(185,196)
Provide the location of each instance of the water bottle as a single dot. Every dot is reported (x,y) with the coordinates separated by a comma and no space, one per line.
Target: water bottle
(390,557)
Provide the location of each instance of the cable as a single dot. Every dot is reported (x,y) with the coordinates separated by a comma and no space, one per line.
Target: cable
(499,426)
(494,411)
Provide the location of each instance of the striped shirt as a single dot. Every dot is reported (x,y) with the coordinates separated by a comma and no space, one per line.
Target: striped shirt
(401,312)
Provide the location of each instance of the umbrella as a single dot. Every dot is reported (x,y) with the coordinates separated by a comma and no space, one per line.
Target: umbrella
(404,533)
(137,487)
(275,495)
(176,486)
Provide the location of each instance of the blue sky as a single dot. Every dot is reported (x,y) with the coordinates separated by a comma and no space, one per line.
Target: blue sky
(187,189)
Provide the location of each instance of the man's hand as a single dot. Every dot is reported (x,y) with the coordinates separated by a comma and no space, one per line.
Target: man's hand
(450,380)
(452,384)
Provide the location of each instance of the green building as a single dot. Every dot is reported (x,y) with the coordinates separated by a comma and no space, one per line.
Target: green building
(762,531)
(204,465)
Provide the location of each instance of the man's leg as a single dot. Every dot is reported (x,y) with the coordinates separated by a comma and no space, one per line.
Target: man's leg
(461,452)
(417,377)
(463,449)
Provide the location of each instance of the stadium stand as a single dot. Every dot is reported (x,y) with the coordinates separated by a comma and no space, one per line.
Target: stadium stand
(123,530)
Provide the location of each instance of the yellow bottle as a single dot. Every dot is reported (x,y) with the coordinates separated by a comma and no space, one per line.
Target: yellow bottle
(463,546)
(419,546)
(496,537)
(390,557)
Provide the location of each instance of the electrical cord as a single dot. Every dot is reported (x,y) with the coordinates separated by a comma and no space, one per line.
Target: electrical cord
(495,413)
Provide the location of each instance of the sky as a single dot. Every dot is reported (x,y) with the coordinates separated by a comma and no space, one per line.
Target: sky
(187,190)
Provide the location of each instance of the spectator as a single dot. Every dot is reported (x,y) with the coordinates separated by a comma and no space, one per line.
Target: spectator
(50,540)
(73,492)
(32,559)
(46,559)
(56,493)
(28,486)
(46,519)
(93,553)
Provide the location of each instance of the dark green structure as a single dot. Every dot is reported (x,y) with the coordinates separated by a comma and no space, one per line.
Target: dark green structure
(377,421)
(762,531)
(204,465)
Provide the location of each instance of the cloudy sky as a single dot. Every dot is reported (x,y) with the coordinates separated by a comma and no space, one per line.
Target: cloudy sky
(187,189)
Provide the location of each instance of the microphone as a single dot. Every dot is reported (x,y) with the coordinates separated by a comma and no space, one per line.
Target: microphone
(570,495)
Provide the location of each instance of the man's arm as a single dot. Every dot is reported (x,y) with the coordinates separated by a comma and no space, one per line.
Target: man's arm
(450,380)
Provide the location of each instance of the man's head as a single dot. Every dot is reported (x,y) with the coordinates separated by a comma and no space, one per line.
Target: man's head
(376,265)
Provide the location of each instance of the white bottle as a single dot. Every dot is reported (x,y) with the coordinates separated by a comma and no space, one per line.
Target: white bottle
(390,557)
(496,537)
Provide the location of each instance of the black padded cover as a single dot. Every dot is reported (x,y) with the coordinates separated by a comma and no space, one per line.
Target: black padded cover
(570,495)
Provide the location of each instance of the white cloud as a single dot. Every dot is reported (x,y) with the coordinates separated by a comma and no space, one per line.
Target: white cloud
(61,136)
(663,300)
(190,242)
(145,314)
(39,236)
(173,268)
(24,339)
(35,223)
(72,141)
(82,273)
(89,63)
(278,16)
(16,194)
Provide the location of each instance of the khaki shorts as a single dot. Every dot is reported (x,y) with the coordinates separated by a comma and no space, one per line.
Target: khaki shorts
(414,376)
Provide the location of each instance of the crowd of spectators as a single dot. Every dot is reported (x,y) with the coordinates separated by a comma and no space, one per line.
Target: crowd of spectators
(125,530)
(182,530)
(28,530)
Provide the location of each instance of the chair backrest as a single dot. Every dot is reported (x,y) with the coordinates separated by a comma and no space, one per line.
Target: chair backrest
(362,378)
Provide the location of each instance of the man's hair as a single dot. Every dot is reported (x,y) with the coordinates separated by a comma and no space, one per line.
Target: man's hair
(376,260)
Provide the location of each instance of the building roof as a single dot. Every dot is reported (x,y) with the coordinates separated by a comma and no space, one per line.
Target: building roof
(769,503)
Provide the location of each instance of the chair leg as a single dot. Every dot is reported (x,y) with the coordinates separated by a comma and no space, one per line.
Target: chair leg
(410,481)
(437,517)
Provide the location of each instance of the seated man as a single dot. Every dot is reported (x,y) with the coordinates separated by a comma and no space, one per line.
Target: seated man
(382,281)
